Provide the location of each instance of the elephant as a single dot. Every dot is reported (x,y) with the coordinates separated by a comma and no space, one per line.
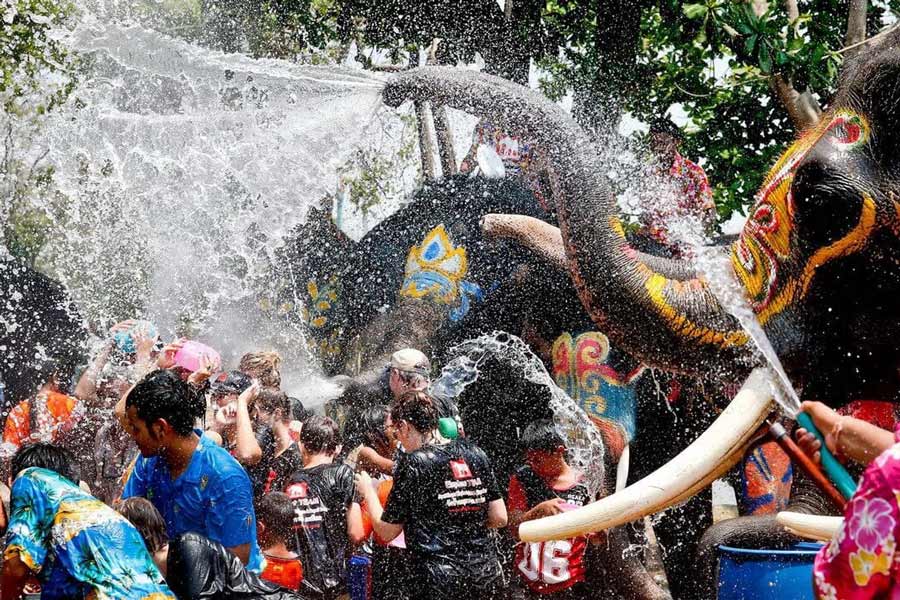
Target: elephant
(41,329)
(818,261)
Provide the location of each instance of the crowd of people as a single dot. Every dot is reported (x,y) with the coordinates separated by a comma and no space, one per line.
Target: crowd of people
(157,474)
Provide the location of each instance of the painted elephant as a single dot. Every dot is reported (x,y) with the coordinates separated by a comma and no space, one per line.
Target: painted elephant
(429,277)
(38,323)
(818,260)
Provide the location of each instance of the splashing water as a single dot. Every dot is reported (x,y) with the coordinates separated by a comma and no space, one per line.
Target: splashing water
(183,170)
(714,264)
(586,447)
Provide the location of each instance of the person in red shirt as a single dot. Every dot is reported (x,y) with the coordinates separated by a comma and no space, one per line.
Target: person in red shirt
(274,525)
(547,485)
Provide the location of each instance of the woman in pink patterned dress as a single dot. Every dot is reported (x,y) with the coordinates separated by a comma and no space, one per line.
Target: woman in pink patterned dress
(860,561)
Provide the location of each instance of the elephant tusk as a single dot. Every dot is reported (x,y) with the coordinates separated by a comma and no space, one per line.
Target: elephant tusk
(717,450)
(814,527)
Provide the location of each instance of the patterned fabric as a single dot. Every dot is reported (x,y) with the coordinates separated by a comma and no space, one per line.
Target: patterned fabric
(520,157)
(860,562)
(694,198)
(61,414)
(78,546)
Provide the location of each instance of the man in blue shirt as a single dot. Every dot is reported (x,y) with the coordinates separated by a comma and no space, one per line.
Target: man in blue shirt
(195,484)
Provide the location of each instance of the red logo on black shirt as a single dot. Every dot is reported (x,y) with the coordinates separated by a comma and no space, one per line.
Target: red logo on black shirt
(460,469)
(297,490)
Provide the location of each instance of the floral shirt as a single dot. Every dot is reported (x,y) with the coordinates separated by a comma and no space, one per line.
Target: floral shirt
(695,197)
(78,546)
(859,562)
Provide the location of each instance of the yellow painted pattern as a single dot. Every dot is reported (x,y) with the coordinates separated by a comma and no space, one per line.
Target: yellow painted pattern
(656,286)
(435,268)
(849,244)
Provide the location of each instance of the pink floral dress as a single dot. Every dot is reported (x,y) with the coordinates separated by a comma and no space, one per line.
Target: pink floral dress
(860,561)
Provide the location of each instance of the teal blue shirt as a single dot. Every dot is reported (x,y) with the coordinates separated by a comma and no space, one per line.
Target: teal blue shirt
(78,546)
(213,497)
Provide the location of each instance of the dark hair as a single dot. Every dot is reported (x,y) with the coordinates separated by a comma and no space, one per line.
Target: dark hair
(371,425)
(320,434)
(163,395)
(665,126)
(298,411)
(147,520)
(541,435)
(45,456)
(271,400)
(276,512)
(416,408)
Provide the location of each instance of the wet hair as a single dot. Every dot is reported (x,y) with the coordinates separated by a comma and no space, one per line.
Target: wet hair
(163,395)
(147,520)
(271,400)
(276,512)
(45,456)
(263,366)
(664,125)
(320,434)
(371,425)
(541,435)
(416,408)
(298,411)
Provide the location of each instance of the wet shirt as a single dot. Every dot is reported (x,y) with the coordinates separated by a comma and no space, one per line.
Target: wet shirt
(321,496)
(861,561)
(212,497)
(79,546)
(281,468)
(17,430)
(552,566)
(441,496)
(286,572)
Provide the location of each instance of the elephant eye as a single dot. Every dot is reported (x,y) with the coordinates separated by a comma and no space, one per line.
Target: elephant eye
(848,131)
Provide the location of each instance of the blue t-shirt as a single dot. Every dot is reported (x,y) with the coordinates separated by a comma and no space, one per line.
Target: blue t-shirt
(78,546)
(213,497)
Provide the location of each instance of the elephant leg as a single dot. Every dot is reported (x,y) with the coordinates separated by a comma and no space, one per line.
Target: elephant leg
(756,531)
(678,531)
(622,570)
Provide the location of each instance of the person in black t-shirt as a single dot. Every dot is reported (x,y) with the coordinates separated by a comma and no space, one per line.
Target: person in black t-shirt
(327,519)
(281,456)
(445,499)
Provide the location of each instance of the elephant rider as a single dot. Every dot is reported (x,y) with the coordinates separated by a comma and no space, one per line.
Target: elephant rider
(694,197)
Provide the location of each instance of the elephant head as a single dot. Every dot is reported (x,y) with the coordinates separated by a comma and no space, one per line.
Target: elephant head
(818,259)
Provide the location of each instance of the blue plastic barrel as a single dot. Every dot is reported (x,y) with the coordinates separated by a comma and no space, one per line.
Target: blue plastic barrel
(746,574)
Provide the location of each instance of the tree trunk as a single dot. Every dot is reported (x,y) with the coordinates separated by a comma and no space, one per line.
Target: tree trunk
(856,27)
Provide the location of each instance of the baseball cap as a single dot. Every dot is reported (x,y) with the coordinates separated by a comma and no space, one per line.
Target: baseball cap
(233,382)
(411,361)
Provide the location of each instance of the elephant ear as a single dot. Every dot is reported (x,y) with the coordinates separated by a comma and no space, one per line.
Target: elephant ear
(652,308)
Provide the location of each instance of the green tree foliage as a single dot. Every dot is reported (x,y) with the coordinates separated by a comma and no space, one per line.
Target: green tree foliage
(36,74)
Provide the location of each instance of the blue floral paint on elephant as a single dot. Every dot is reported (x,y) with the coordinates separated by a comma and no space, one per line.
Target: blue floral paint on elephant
(436,269)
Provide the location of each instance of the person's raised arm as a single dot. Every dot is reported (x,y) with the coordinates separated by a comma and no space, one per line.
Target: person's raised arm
(246,448)
(386,531)
(370,459)
(844,436)
(86,388)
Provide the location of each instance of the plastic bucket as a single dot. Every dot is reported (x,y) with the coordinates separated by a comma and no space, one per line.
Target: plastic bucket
(746,574)
(359,577)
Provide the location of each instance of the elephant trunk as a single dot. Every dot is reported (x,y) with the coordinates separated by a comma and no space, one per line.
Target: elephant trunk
(713,453)
(656,310)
